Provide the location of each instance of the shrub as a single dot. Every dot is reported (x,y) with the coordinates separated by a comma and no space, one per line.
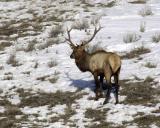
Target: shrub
(95,19)
(56,30)
(150,65)
(156,38)
(108,4)
(80,24)
(142,27)
(131,37)
(8,76)
(138,2)
(31,46)
(3,45)
(12,60)
(52,63)
(146,11)
(136,52)
(94,48)
(48,43)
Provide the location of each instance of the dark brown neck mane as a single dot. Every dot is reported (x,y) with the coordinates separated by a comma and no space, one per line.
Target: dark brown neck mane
(83,62)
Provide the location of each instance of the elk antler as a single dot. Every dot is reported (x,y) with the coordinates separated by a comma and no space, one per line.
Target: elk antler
(69,38)
(95,32)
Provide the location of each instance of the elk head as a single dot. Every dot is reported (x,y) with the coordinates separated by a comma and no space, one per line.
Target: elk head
(79,50)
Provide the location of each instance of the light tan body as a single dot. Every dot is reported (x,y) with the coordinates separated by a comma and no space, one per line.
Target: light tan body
(99,62)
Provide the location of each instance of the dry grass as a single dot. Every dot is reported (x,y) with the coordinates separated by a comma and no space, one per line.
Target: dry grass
(8,119)
(7,30)
(55,18)
(53,79)
(8,76)
(131,37)
(156,38)
(69,111)
(96,115)
(31,46)
(43,78)
(12,111)
(7,0)
(87,4)
(58,29)
(145,11)
(51,99)
(108,4)
(13,61)
(13,29)
(147,120)
(156,111)
(6,123)
(142,27)
(150,65)
(94,48)
(95,19)
(48,43)
(149,79)
(52,63)
(139,93)
(136,53)
(1,67)
(36,65)
(80,24)
(3,45)
(138,2)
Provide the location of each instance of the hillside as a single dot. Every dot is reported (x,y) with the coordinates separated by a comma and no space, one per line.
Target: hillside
(40,85)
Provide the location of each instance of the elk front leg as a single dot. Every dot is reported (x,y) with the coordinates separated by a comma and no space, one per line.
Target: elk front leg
(97,90)
(101,81)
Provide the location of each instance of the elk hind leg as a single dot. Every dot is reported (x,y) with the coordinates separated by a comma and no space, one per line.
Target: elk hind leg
(116,88)
(107,73)
(116,79)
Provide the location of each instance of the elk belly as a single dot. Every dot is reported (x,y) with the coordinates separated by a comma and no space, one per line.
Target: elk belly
(94,67)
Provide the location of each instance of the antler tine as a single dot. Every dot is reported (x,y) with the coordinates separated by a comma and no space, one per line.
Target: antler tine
(69,37)
(96,30)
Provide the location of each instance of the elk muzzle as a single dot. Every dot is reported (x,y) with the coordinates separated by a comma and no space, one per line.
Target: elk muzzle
(72,56)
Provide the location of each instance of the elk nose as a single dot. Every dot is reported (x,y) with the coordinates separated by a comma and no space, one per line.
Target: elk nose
(72,56)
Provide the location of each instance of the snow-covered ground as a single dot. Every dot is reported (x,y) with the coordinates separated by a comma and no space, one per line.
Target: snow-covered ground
(40,86)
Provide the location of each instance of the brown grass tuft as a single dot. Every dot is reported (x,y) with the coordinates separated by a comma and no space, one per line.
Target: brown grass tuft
(139,92)
(51,99)
(138,2)
(13,61)
(136,53)
(3,45)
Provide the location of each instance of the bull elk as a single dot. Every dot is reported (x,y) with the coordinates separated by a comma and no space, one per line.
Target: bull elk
(100,64)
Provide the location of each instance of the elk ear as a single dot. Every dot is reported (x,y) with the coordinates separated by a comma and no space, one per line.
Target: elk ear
(72,47)
(83,45)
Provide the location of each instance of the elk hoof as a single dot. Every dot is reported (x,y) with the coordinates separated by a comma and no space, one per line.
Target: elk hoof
(104,87)
(100,95)
(96,98)
(116,102)
(105,102)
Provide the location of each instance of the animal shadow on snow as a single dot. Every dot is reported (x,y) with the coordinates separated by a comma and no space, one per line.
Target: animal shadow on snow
(82,84)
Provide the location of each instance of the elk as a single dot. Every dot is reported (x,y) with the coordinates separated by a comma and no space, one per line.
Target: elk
(100,64)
